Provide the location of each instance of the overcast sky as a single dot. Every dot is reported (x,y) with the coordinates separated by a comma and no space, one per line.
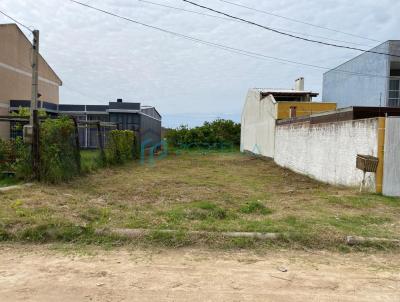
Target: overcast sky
(101,58)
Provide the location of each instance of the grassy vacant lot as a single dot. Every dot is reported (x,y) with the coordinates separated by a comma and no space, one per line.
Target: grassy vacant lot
(195,191)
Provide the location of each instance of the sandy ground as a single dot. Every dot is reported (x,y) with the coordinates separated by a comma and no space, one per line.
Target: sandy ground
(38,273)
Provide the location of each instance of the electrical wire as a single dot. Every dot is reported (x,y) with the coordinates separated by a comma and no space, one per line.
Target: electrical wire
(288,34)
(184,10)
(227,48)
(16,21)
(298,21)
(230,19)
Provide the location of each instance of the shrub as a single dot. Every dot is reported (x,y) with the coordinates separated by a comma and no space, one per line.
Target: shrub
(23,159)
(217,134)
(6,150)
(15,156)
(120,146)
(59,156)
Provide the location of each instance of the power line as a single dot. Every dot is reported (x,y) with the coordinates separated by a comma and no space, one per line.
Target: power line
(230,19)
(288,34)
(16,21)
(184,10)
(227,48)
(298,21)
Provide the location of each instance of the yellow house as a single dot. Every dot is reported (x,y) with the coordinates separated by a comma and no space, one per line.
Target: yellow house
(263,107)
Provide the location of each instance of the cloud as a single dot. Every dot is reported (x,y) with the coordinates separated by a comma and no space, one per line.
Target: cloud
(101,58)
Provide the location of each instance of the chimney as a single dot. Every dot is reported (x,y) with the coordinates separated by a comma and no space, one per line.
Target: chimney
(299,84)
(119,100)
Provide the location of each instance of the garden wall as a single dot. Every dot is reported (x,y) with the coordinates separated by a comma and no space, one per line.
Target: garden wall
(328,151)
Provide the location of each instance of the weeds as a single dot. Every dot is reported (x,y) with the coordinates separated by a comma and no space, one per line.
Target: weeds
(219,192)
(255,207)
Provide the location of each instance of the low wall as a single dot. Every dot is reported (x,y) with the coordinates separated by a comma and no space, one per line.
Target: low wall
(327,152)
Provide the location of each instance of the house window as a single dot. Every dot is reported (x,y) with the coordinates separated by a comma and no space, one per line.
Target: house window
(394,93)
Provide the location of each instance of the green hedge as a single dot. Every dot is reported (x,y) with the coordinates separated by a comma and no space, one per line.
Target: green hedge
(219,133)
(59,156)
(120,146)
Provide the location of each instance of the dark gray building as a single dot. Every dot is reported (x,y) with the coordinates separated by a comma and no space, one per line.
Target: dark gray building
(369,79)
(145,121)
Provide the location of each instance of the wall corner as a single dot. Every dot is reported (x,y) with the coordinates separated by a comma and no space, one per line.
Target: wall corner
(381,153)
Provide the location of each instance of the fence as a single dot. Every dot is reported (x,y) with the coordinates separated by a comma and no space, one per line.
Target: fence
(56,139)
(94,134)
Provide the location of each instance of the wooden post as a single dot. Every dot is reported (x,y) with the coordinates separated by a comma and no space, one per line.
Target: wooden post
(77,145)
(100,141)
(36,145)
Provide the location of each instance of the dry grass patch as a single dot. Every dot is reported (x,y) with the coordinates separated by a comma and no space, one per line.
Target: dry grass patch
(215,192)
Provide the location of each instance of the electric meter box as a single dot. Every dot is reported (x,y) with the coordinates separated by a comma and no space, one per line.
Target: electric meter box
(28,134)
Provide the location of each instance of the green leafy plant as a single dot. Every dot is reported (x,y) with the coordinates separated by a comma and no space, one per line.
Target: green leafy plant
(59,156)
(23,159)
(120,146)
(6,150)
(24,112)
(255,207)
(15,156)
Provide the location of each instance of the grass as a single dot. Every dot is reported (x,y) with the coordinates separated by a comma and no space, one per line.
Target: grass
(8,181)
(196,192)
(90,160)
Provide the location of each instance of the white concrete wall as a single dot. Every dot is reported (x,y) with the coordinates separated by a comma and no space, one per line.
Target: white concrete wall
(391,166)
(258,124)
(327,152)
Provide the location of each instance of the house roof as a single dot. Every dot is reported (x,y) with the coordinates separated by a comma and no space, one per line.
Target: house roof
(392,46)
(343,114)
(267,91)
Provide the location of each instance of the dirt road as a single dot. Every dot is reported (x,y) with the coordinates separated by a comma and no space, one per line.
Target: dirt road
(34,273)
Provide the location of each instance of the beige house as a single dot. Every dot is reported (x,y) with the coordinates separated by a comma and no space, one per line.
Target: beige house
(16,73)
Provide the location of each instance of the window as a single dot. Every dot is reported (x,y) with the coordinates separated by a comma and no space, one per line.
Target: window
(394,93)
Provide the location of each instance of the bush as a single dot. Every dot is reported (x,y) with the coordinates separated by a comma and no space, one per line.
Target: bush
(120,146)
(217,134)
(59,156)
(22,165)
(16,156)
(6,150)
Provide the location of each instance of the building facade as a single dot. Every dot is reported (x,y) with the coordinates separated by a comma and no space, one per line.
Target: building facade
(370,79)
(16,74)
(325,146)
(263,107)
(145,121)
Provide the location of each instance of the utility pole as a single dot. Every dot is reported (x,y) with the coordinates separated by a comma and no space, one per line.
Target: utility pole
(34,117)
(35,73)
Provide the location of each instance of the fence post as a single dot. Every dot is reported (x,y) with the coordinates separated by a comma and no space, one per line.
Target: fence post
(77,144)
(36,145)
(100,141)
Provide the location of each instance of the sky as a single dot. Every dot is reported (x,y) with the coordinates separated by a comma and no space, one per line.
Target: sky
(101,58)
